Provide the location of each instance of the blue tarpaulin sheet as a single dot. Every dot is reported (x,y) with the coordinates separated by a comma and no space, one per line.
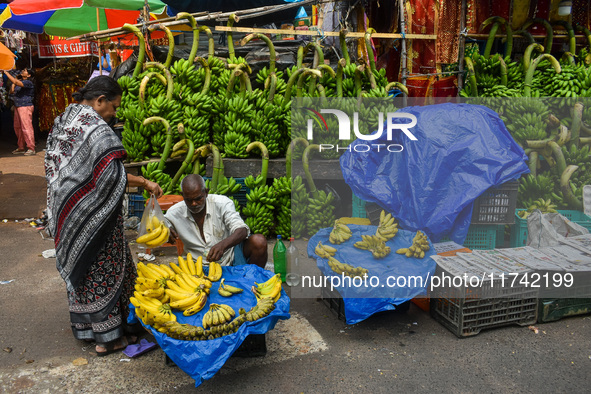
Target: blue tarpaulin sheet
(202,359)
(391,280)
(461,150)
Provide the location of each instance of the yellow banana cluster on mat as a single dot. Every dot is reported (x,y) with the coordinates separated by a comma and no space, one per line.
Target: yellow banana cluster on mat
(347,269)
(227,291)
(215,271)
(324,251)
(157,233)
(217,314)
(388,227)
(190,332)
(420,244)
(359,221)
(375,245)
(269,289)
(340,233)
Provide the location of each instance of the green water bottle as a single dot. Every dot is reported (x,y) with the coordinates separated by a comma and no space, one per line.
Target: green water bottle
(279,254)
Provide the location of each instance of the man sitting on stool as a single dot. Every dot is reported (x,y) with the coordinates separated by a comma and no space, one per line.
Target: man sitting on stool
(209,226)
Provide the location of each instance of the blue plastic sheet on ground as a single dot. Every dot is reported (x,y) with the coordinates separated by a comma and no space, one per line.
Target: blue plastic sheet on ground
(461,150)
(378,293)
(202,359)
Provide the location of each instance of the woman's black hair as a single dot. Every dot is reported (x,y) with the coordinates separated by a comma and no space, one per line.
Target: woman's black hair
(102,85)
(31,72)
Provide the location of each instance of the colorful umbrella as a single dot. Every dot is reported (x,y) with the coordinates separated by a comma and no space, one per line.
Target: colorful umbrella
(6,58)
(67,18)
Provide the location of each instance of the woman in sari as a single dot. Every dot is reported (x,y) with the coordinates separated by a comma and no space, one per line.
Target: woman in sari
(86,181)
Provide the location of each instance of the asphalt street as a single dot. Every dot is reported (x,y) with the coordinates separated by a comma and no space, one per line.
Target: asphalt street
(313,351)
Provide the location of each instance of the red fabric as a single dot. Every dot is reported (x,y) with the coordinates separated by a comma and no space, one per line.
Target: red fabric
(20,7)
(421,20)
(23,127)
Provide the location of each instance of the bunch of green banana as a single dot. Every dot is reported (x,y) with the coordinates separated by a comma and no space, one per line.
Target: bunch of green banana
(151,172)
(259,210)
(533,187)
(299,208)
(282,191)
(320,212)
(237,123)
(324,251)
(264,306)
(545,206)
(388,227)
(217,314)
(342,268)
(374,244)
(264,74)
(568,83)
(420,244)
(226,290)
(340,233)
(134,141)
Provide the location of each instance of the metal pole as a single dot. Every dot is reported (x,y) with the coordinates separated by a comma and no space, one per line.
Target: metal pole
(403,58)
(461,46)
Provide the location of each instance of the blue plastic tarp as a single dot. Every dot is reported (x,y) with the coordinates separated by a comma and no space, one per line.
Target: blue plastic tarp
(461,150)
(391,280)
(202,359)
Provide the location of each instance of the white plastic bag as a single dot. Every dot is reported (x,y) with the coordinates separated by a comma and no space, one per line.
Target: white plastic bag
(153,231)
(550,229)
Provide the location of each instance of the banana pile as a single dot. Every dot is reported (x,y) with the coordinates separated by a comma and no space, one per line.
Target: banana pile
(299,207)
(320,213)
(282,191)
(156,233)
(269,289)
(348,270)
(545,206)
(340,233)
(420,244)
(387,228)
(227,291)
(374,244)
(217,314)
(324,251)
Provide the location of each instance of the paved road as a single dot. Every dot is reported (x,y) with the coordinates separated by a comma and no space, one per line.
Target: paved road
(311,352)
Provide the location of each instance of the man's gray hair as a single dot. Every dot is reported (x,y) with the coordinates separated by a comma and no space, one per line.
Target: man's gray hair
(192,181)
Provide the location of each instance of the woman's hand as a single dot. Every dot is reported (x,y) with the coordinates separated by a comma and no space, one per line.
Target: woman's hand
(153,188)
(140,181)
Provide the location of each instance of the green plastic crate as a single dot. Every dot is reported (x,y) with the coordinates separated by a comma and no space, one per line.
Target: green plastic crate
(519,230)
(555,309)
(358,208)
(480,236)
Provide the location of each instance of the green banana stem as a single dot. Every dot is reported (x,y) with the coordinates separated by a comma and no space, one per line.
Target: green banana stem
(530,71)
(533,162)
(211,50)
(491,36)
(231,20)
(549,32)
(144,85)
(207,80)
(168,144)
(272,87)
(563,135)
(306,165)
(193,23)
(398,86)
(167,74)
(472,78)
(272,54)
(358,77)
(217,165)
(292,79)
(342,36)
(319,53)
(188,159)
(302,78)
(503,67)
(166,30)
(238,66)
(527,35)
(300,58)
(142,48)
(571,34)
(340,66)
(558,155)
(321,90)
(230,89)
(202,151)
(289,153)
(370,54)
(264,155)
(585,140)
(372,79)
(585,129)
(538,144)
(527,54)
(570,57)
(324,69)
(575,131)
(586,32)
(572,200)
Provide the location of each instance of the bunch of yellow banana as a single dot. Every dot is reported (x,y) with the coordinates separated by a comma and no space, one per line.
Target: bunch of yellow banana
(157,233)
(340,233)
(324,251)
(420,244)
(151,311)
(359,221)
(189,266)
(347,269)
(375,245)
(227,290)
(269,289)
(388,227)
(217,314)
(215,271)
(263,307)
(152,280)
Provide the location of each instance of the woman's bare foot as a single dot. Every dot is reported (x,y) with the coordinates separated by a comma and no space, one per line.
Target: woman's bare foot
(114,346)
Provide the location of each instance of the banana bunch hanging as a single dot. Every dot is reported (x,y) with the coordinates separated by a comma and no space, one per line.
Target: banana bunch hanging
(261,199)
(320,210)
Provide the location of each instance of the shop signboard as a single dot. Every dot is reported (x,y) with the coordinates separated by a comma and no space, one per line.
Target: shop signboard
(54,46)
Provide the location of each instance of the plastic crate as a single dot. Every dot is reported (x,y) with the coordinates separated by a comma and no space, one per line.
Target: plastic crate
(519,231)
(496,205)
(465,310)
(358,208)
(480,237)
(556,303)
(136,205)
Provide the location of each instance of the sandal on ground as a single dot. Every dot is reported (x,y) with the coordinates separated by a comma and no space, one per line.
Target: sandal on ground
(116,346)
